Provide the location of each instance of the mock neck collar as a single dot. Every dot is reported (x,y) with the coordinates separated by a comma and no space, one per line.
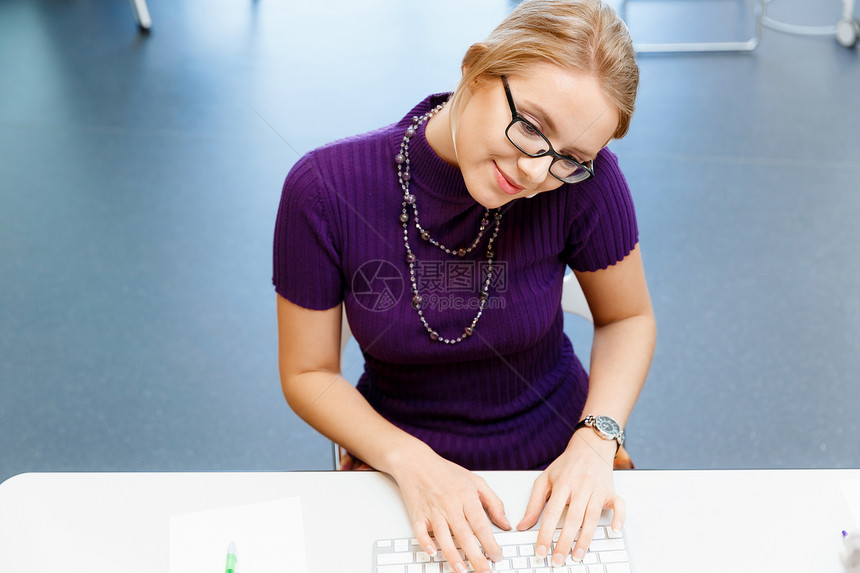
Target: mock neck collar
(430,173)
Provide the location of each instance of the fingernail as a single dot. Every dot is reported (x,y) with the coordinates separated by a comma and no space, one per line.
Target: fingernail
(431,551)
(557,560)
(460,568)
(541,550)
(616,528)
(578,554)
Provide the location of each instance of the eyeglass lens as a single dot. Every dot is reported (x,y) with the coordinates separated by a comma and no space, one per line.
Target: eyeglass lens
(532,142)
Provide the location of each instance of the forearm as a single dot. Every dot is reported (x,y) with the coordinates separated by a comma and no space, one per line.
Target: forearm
(330,404)
(620,357)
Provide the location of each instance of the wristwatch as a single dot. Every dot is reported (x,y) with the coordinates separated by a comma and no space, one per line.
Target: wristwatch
(605,427)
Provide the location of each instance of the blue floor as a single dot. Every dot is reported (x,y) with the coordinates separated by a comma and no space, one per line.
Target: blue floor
(140,176)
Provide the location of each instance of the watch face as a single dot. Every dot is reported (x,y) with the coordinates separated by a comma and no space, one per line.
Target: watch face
(607,426)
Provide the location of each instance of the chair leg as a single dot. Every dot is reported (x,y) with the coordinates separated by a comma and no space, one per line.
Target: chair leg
(693,47)
(335,456)
(141,15)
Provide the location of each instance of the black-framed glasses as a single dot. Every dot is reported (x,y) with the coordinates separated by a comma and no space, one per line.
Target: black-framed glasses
(529,139)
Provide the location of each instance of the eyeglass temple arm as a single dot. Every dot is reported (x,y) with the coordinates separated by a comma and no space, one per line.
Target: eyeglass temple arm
(510,97)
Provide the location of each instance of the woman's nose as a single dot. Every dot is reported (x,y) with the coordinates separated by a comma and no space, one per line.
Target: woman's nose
(536,169)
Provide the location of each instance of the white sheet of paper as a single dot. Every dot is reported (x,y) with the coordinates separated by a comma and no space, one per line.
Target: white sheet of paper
(269,537)
(851,493)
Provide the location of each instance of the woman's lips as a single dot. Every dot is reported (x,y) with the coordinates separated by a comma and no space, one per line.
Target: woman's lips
(506,184)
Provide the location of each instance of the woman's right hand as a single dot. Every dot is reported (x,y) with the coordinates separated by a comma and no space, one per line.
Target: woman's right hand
(456,505)
(440,496)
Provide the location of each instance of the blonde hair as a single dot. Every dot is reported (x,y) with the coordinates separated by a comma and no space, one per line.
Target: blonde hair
(579,35)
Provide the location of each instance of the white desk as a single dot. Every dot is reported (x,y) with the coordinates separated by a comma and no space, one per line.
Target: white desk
(678,521)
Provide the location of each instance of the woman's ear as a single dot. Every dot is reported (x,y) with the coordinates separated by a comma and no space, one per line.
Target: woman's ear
(464,70)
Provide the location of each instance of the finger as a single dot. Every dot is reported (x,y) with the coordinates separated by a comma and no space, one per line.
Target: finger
(551,515)
(537,499)
(494,505)
(446,543)
(586,533)
(423,536)
(482,530)
(565,540)
(619,511)
(573,520)
(466,539)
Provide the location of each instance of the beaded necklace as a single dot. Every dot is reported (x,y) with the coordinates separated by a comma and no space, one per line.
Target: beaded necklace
(402,162)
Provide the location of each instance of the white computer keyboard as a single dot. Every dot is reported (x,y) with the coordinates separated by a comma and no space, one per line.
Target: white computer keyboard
(606,554)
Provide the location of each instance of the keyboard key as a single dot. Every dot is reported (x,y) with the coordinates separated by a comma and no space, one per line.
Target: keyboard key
(595,569)
(509,550)
(383,543)
(431,568)
(590,558)
(618,568)
(607,545)
(537,562)
(503,565)
(415,568)
(401,545)
(599,533)
(393,558)
(612,534)
(519,563)
(422,557)
(527,550)
(516,537)
(390,569)
(613,557)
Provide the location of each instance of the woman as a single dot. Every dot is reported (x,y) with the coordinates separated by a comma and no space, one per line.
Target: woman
(446,237)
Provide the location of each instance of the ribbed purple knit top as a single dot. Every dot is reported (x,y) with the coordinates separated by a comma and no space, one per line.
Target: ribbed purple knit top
(508,396)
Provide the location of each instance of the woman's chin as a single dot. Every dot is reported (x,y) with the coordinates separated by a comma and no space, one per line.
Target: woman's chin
(490,200)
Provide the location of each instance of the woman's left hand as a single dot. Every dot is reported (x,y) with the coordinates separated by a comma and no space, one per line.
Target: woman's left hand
(581,480)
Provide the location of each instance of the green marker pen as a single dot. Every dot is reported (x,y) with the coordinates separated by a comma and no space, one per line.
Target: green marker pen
(231,558)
